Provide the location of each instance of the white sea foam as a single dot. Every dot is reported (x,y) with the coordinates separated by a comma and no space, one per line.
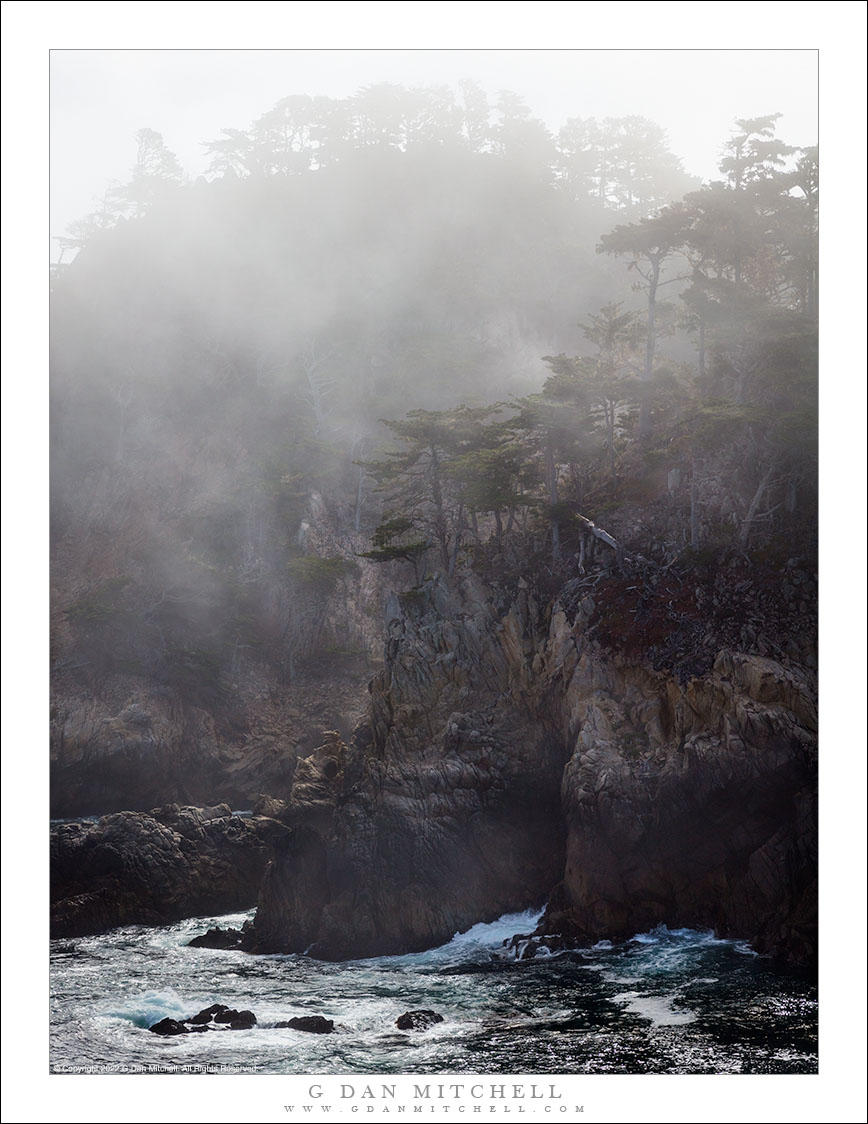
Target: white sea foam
(475,943)
(102,1004)
(663,932)
(149,1007)
(657,1009)
(180,934)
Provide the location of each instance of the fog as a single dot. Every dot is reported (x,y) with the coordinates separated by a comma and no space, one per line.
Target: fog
(228,338)
(99,99)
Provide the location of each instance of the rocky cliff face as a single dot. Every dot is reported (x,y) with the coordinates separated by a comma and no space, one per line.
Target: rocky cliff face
(687,804)
(220,721)
(153,868)
(507,754)
(514,751)
(445,809)
(135,745)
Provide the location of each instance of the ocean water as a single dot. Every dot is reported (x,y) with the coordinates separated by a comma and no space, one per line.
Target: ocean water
(665,1002)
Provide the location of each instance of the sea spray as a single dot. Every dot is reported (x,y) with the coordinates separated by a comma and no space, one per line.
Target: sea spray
(664,1002)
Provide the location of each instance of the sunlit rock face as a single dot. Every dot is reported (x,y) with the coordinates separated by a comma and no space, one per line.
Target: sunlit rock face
(691,805)
(505,754)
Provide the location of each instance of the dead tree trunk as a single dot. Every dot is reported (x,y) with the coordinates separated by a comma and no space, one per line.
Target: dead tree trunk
(605,537)
(749,519)
(694,514)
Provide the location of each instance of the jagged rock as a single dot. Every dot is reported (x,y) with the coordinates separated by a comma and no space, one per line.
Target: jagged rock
(217,1015)
(691,804)
(418,1020)
(209,1014)
(270,806)
(295,889)
(525,946)
(422,834)
(218,938)
(110,756)
(168,1026)
(237,1020)
(226,1015)
(508,749)
(136,868)
(313,1024)
(174,815)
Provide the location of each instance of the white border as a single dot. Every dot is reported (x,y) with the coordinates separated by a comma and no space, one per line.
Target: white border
(30,29)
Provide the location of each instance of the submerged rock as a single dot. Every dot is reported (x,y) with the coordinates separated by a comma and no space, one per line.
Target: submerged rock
(168,1026)
(209,1014)
(313,1024)
(524,946)
(218,938)
(216,1017)
(417,1020)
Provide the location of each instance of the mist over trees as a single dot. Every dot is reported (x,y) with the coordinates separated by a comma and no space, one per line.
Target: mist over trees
(223,352)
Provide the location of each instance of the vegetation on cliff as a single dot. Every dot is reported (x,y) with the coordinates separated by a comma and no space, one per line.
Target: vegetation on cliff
(224,350)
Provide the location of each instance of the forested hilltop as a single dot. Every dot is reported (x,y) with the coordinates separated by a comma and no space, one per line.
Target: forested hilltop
(598,379)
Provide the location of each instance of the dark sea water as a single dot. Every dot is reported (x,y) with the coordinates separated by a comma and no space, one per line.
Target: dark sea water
(666,1002)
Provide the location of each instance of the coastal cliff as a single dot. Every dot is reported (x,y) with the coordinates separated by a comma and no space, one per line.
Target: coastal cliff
(444,808)
(509,755)
(441,364)
(521,746)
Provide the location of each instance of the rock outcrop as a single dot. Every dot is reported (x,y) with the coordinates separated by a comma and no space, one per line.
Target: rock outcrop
(144,715)
(508,753)
(135,868)
(688,805)
(132,747)
(445,808)
(512,753)
(216,1017)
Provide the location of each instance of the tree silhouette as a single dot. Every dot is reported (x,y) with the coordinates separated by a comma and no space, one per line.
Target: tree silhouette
(651,245)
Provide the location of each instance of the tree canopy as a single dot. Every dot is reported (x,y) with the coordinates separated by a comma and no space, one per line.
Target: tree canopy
(564,347)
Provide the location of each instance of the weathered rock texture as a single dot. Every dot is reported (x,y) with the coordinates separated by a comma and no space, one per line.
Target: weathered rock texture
(516,750)
(134,746)
(508,752)
(688,805)
(445,808)
(134,868)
